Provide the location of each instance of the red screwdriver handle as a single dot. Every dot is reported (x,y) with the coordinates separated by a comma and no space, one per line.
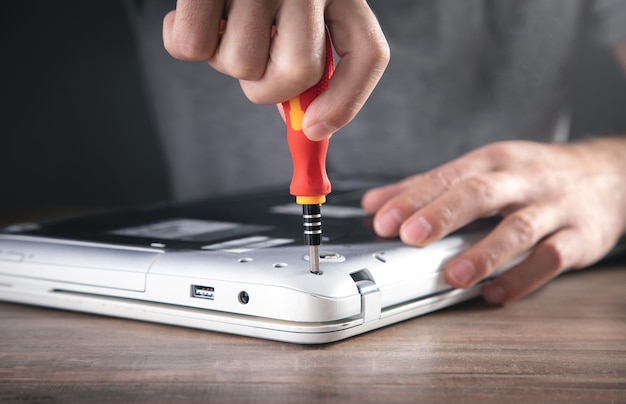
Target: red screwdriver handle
(309,183)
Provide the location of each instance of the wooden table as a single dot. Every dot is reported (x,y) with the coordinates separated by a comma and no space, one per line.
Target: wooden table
(566,342)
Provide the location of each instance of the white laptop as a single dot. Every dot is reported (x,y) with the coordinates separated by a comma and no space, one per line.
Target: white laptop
(233,264)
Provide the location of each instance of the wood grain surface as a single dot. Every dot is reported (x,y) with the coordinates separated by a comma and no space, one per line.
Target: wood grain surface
(565,343)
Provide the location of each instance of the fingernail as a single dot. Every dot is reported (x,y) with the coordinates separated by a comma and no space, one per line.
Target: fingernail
(319,131)
(462,273)
(494,294)
(416,231)
(387,224)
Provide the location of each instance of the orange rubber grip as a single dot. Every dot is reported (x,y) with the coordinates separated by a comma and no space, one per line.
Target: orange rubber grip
(309,183)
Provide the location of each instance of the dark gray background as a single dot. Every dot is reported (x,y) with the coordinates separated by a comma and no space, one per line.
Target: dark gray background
(74,127)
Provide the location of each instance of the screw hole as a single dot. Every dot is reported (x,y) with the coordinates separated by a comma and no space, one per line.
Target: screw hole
(280,264)
(246,259)
(380,257)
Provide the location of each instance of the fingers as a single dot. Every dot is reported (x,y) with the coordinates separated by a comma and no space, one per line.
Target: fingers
(296,59)
(374,199)
(452,195)
(547,260)
(364,52)
(276,48)
(243,51)
(192,31)
(241,48)
(516,234)
(477,196)
(392,216)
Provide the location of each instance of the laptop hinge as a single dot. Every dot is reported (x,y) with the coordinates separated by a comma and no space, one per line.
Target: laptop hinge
(370,300)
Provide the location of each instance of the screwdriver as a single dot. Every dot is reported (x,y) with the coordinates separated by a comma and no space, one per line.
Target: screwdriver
(309,183)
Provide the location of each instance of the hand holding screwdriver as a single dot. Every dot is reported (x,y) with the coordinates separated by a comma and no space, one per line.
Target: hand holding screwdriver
(235,38)
(309,183)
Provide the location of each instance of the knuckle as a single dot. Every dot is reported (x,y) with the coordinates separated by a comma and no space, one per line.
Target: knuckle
(243,64)
(447,175)
(524,226)
(302,75)
(410,201)
(260,92)
(504,150)
(262,87)
(378,50)
(244,69)
(488,258)
(480,187)
(589,231)
(445,218)
(259,98)
(189,47)
(488,261)
(379,53)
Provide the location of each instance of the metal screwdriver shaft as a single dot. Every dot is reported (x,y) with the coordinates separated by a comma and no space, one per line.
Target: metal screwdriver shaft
(312,218)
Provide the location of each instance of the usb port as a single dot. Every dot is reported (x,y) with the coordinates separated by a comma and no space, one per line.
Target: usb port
(203,292)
